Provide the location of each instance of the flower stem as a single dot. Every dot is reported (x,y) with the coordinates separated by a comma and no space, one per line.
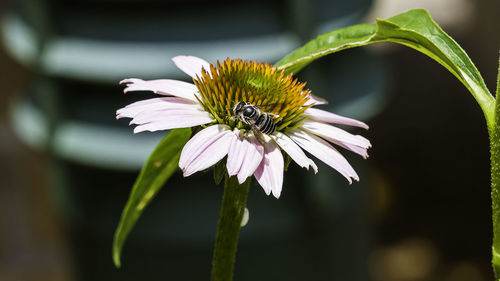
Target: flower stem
(495,182)
(234,202)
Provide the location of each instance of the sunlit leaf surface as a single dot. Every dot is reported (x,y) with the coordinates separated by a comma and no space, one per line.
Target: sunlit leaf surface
(415,29)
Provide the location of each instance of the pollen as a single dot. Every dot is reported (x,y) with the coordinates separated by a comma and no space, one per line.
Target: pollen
(228,82)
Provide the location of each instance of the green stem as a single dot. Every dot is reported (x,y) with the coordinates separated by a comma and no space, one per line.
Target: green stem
(495,181)
(234,202)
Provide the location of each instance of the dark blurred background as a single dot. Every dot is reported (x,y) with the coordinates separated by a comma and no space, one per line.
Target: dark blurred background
(420,212)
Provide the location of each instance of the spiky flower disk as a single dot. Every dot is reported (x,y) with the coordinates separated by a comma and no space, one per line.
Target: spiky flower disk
(260,84)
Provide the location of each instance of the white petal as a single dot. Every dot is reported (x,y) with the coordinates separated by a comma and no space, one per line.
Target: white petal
(166,87)
(328,117)
(324,152)
(205,149)
(294,151)
(269,174)
(334,134)
(156,104)
(172,119)
(191,65)
(252,159)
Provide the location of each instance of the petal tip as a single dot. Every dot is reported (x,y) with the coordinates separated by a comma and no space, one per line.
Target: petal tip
(277,192)
(354,177)
(129,81)
(241,179)
(178,57)
(313,166)
(138,129)
(186,172)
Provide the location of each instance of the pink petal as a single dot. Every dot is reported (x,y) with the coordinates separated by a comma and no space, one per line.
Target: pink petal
(356,149)
(155,104)
(269,174)
(324,152)
(328,117)
(252,159)
(205,149)
(171,119)
(354,143)
(236,154)
(334,134)
(315,100)
(294,151)
(171,113)
(245,155)
(191,65)
(166,87)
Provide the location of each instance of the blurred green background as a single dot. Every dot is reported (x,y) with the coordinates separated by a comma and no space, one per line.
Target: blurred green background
(420,212)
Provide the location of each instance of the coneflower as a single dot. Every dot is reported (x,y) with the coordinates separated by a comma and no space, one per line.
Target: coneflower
(209,103)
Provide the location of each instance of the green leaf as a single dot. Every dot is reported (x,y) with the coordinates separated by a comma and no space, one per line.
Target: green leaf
(219,171)
(160,165)
(330,42)
(414,29)
(288,160)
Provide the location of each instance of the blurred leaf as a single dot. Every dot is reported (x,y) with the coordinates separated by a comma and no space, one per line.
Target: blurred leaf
(160,165)
(288,160)
(219,171)
(414,29)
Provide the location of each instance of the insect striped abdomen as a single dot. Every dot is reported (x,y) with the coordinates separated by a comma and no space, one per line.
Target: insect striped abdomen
(266,124)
